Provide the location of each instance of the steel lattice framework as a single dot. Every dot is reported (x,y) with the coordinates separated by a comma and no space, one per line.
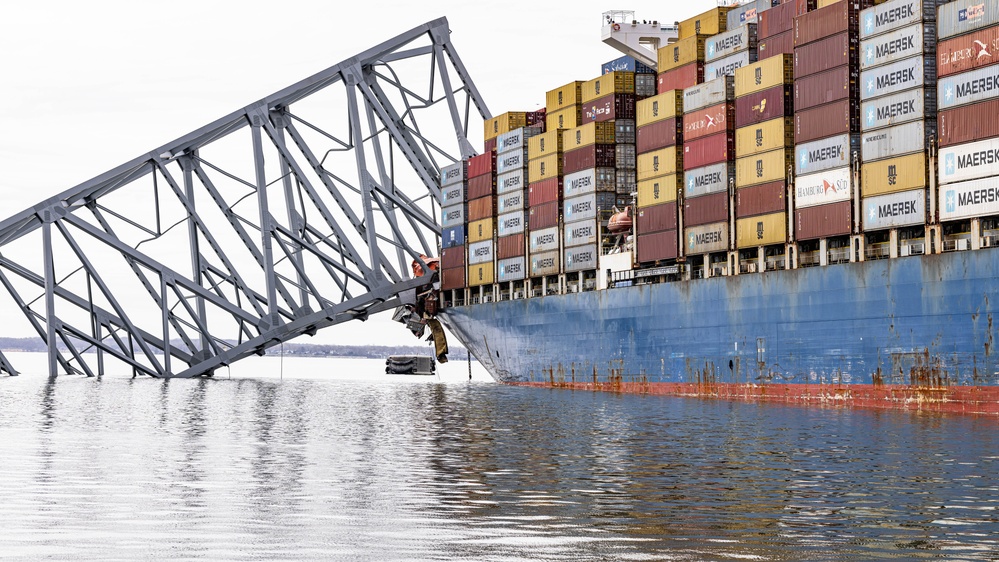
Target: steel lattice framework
(298,212)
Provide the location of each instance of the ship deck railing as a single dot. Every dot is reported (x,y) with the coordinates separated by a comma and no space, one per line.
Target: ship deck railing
(878,251)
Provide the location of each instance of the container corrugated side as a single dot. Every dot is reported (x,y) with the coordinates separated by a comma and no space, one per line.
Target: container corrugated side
(511,246)
(564,96)
(660,134)
(590,133)
(611,83)
(515,180)
(657,163)
(453,215)
(823,221)
(453,278)
(656,218)
(480,230)
(705,209)
(545,167)
(708,121)
(543,215)
(825,154)
(545,263)
(905,74)
(825,87)
(511,269)
(592,156)
(481,274)
(897,141)
(728,65)
(588,181)
(968,123)
(780,44)
(565,118)
(975,198)
(580,232)
(680,78)
(626,63)
(899,44)
(764,106)
(545,144)
(761,199)
(837,50)
(656,246)
(737,39)
(706,238)
(609,108)
(453,174)
(764,137)
(481,165)
(893,175)
(825,121)
(763,75)
(453,256)
(625,131)
(827,186)
(544,191)
(762,230)
(481,186)
(481,208)
(515,140)
(505,123)
(779,19)
(453,236)
(660,107)
(510,223)
(968,87)
(581,258)
(708,150)
(896,14)
(543,240)
(969,161)
(763,168)
(709,93)
(588,206)
(833,19)
(481,252)
(681,53)
(452,194)
(892,211)
(910,105)
(509,161)
(709,179)
(968,52)
(711,22)
(962,16)
(657,190)
(743,14)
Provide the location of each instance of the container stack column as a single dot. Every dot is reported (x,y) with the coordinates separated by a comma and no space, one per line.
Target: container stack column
(659,175)
(454,190)
(511,208)
(481,226)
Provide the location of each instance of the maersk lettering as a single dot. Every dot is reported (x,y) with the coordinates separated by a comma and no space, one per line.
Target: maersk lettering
(451,174)
(978,196)
(899,209)
(708,238)
(511,141)
(979,86)
(897,46)
(511,269)
(580,183)
(729,43)
(896,78)
(583,257)
(546,263)
(826,153)
(452,194)
(544,239)
(580,207)
(512,181)
(483,251)
(582,232)
(894,110)
(453,215)
(728,69)
(707,179)
(511,223)
(980,158)
(511,161)
(893,15)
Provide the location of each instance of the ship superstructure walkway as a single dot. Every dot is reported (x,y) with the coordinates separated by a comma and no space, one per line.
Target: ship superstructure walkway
(297,212)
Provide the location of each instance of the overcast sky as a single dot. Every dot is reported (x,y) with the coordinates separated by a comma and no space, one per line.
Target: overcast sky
(87,86)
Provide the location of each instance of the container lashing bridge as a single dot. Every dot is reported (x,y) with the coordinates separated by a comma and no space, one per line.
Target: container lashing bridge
(300,211)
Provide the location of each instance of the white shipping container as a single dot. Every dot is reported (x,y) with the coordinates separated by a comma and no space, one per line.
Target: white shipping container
(962,16)
(897,45)
(726,66)
(509,202)
(824,154)
(824,187)
(894,141)
(969,199)
(510,223)
(969,161)
(708,93)
(515,139)
(579,233)
(514,180)
(452,194)
(896,77)
(453,215)
(586,206)
(581,258)
(588,181)
(513,160)
(544,240)
(910,105)
(895,14)
(739,39)
(545,263)
(706,238)
(969,87)
(511,269)
(709,179)
(481,252)
(455,173)
(893,210)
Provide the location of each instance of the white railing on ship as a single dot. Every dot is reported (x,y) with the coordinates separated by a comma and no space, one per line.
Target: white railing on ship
(774,264)
(839,255)
(809,259)
(878,251)
(956,245)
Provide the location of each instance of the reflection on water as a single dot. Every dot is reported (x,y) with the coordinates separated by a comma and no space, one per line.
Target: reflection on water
(391,469)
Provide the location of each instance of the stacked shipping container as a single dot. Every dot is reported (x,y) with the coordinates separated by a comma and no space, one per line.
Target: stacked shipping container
(681,64)
(481,212)
(453,224)
(511,203)
(775,27)
(659,161)
(725,52)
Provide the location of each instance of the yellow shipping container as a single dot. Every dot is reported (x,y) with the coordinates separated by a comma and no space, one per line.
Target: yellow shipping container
(767,73)
(684,51)
(590,133)
(566,118)
(764,137)
(563,97)
(545,167)
(480,274)
(480,230)
(762,168)
(711,22)
(657,108)
(504,124)
(824,3)
(620,82)
(658,163)
(761,231)
(894,174)
(654,191)
(544,144)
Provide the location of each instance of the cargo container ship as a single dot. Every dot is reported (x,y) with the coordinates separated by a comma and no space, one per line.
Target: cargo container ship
(798,202)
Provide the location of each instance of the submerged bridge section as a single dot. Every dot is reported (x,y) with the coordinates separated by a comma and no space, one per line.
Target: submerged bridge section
(300,211)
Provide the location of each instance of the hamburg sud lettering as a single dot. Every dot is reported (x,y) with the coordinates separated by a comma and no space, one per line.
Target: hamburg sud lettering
(896,45)
(968,87)
(969,161)
(891,16)
(825,187)
(892,78)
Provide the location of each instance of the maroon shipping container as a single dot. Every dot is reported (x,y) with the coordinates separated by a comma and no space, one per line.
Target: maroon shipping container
(609,108)
(705,209)
(826,120)
(834,219)
(490,145)
(679,78)
(482,164)
(833,19)
(660,134)
(656,218)
(657,246)
(453,278)
(761,199)
(968,123)
(780,44)
(544,191)
(592,156)
(776,20)
(453,257)
(511,246)
(826,87)
(481,208)
(801,6)
(839,50)
(763,106)
(544,215)
(968,52)
(708,150)
(537,118)
(481,186)
(707,121)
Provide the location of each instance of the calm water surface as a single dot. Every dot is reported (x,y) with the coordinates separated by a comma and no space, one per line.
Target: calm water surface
(337,461)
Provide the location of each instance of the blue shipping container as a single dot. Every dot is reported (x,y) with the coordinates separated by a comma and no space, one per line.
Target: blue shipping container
(628,64)
(453,236)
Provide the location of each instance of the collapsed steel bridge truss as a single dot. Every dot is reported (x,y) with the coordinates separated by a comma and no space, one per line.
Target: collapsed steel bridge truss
(298,212)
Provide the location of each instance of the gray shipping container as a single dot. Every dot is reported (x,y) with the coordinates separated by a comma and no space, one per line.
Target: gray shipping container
(515,139)
(895,209)
(901,75)
(969,161)
(453,215)
(969,87)
(579,233)
(706,238)
(825,154)
(910,105)
(544,240)
(726,66)
(509,202)
(453,194)
(897,45)
(545,263)
(455,173)
(581,258)
(735,40)
(510,223)
(513,160)
(899,140)
(746,13)
(895,14)
(624,156)
(586,206)
(709,179)
(511,269)
(481,252)
(624,129)
(708,93)
(515,180)
(962,16)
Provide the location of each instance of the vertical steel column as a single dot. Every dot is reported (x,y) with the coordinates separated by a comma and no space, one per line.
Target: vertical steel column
(50,317)
(295,220)
(364,179)
(187,166)
(266,227)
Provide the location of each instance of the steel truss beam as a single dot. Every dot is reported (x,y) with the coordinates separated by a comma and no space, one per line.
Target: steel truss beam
(300,211)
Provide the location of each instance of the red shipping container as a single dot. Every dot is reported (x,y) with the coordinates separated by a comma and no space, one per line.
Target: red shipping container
(801,6)
(708,150)
(481,208)
(826,120)
(511,246)
(776,20)
(544,215)
(592,156)
(823,221)
(763,106)
(826,87)
(838,50)
(705,209)
(761,199)
(968,123)
(453,278)
(609,108)
(656,218)
(660,134)
(490,145)
(780,44)
(537,118)
(679,78)
(968,52)
(453,257)
(481,186)
(482,164)
(833,19)
(657,246)
(544,191)
(708,121)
